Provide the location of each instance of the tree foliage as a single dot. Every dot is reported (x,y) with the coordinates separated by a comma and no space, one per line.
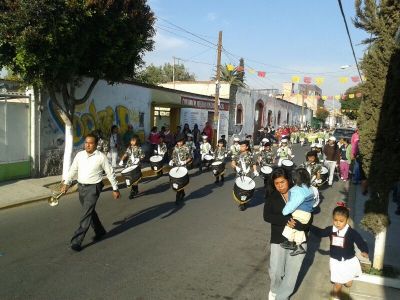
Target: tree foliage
(53,44)
(379,110)
(349,106)
(162,74)
(234,77)
(321,114)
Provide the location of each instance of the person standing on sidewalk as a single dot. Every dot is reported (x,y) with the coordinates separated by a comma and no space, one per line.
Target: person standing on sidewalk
(345,159)
(283,268)
(89,164)
(344,265)
(115,146)
(332,155)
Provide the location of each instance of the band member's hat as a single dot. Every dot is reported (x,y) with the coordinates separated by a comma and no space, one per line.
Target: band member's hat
(284,141)
(267,144)
(332,138)
(189,135)
(319,146)
(180,137)
(245,142)
(204,137)
(236,139)
(313,145)
(221,141)
(248,136)
(264,140)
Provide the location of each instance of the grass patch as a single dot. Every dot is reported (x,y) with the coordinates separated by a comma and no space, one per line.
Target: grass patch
(387,271)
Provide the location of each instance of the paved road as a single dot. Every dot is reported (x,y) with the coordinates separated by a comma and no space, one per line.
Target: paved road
(205,249)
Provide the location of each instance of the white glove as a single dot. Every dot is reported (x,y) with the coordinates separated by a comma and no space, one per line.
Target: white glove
(155,151)
(237,169)
(318,180)
(171,163)
(183,163)
(202,156)
(256,174)
(135,161)
(226,155)
(121,163)
(247,170)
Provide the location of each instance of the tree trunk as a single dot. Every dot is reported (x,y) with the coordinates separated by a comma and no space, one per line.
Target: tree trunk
(379,250)
(69,143)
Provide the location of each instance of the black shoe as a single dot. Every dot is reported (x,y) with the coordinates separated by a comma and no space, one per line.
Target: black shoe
(182,195)
(298,250)
(222,178)
(242,207)
(288,245)
(217,180)
(99,236)
(76,247)
(131,195)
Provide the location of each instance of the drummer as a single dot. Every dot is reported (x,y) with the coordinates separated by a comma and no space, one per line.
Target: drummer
(205,148)
(190,144)
(284,152)
(235,148)
(266,156)
(313,166)
(161,150)
(219,155)
(320,154)
(135,154)
(180,158)
(244,162)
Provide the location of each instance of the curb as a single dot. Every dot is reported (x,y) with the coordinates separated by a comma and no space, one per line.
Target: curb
(146,172)
(379,280)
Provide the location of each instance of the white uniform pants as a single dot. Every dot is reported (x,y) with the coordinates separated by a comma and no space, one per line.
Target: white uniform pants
(331,165)
(113,157)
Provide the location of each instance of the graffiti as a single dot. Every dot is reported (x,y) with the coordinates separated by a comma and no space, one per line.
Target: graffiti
(87,119)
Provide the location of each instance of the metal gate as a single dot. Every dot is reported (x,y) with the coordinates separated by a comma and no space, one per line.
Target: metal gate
(15,161)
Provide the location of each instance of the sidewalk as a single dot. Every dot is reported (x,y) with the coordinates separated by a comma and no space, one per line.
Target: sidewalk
(362,289)
(23,191)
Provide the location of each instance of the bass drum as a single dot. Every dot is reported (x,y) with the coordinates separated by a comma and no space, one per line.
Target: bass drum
(178,178)
(156,163)
(324,174)
(243,189)
(218,168)
(132,174)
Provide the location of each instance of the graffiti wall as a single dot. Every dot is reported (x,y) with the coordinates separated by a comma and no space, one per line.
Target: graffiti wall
(119,104)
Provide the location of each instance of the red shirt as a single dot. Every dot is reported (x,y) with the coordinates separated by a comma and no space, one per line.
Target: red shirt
(154,138)
(209,132)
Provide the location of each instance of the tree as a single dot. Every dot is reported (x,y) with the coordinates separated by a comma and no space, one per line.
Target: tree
(53,45)
(165,73)
(321,114)
(236,79)
(350,106)
(379,113)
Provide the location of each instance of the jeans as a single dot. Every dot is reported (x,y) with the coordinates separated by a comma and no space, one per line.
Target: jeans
(356,172)
(283,271)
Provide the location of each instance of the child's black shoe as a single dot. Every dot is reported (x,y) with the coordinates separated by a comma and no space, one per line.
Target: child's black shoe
(288,245)
(298,250)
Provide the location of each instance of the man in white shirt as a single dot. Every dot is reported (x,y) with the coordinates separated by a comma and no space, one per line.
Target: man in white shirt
(89,165)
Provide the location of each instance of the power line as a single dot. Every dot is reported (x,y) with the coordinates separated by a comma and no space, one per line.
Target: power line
(348,34)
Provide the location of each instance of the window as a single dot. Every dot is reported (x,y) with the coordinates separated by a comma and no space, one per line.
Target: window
(279,118)
(239,114)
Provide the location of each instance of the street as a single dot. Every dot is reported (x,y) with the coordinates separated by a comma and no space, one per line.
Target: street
(204,249)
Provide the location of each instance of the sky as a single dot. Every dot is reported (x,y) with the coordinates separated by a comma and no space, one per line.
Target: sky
(283,38)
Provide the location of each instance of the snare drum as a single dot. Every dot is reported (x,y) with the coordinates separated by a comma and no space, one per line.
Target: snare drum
(243,189)
(156,163)
(132,174)
(208,159)
(218,168)
(178,178)
(288,165)
(266,171)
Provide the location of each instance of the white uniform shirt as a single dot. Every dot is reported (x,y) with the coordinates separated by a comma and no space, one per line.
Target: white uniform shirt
(90,169)
(205,148)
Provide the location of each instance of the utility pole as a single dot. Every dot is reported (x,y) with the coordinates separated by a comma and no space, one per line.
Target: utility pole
(217,86)
(173,71)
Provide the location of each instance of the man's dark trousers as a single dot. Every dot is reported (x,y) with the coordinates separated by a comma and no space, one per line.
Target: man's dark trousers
(88,196)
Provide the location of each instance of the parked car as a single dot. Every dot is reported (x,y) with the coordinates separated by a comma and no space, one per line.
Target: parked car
(345,133)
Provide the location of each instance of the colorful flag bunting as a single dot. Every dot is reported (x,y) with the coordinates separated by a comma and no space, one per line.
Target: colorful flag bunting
(295,79)
(363,78)
(318,97)
(251,71)
(239,69)
(337,97)
(355,78)
(330,97)
(351,96)
(324,97)
(319,80)
(343,97)
(261,73)
(307,80)
(359,95)
(343,79)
